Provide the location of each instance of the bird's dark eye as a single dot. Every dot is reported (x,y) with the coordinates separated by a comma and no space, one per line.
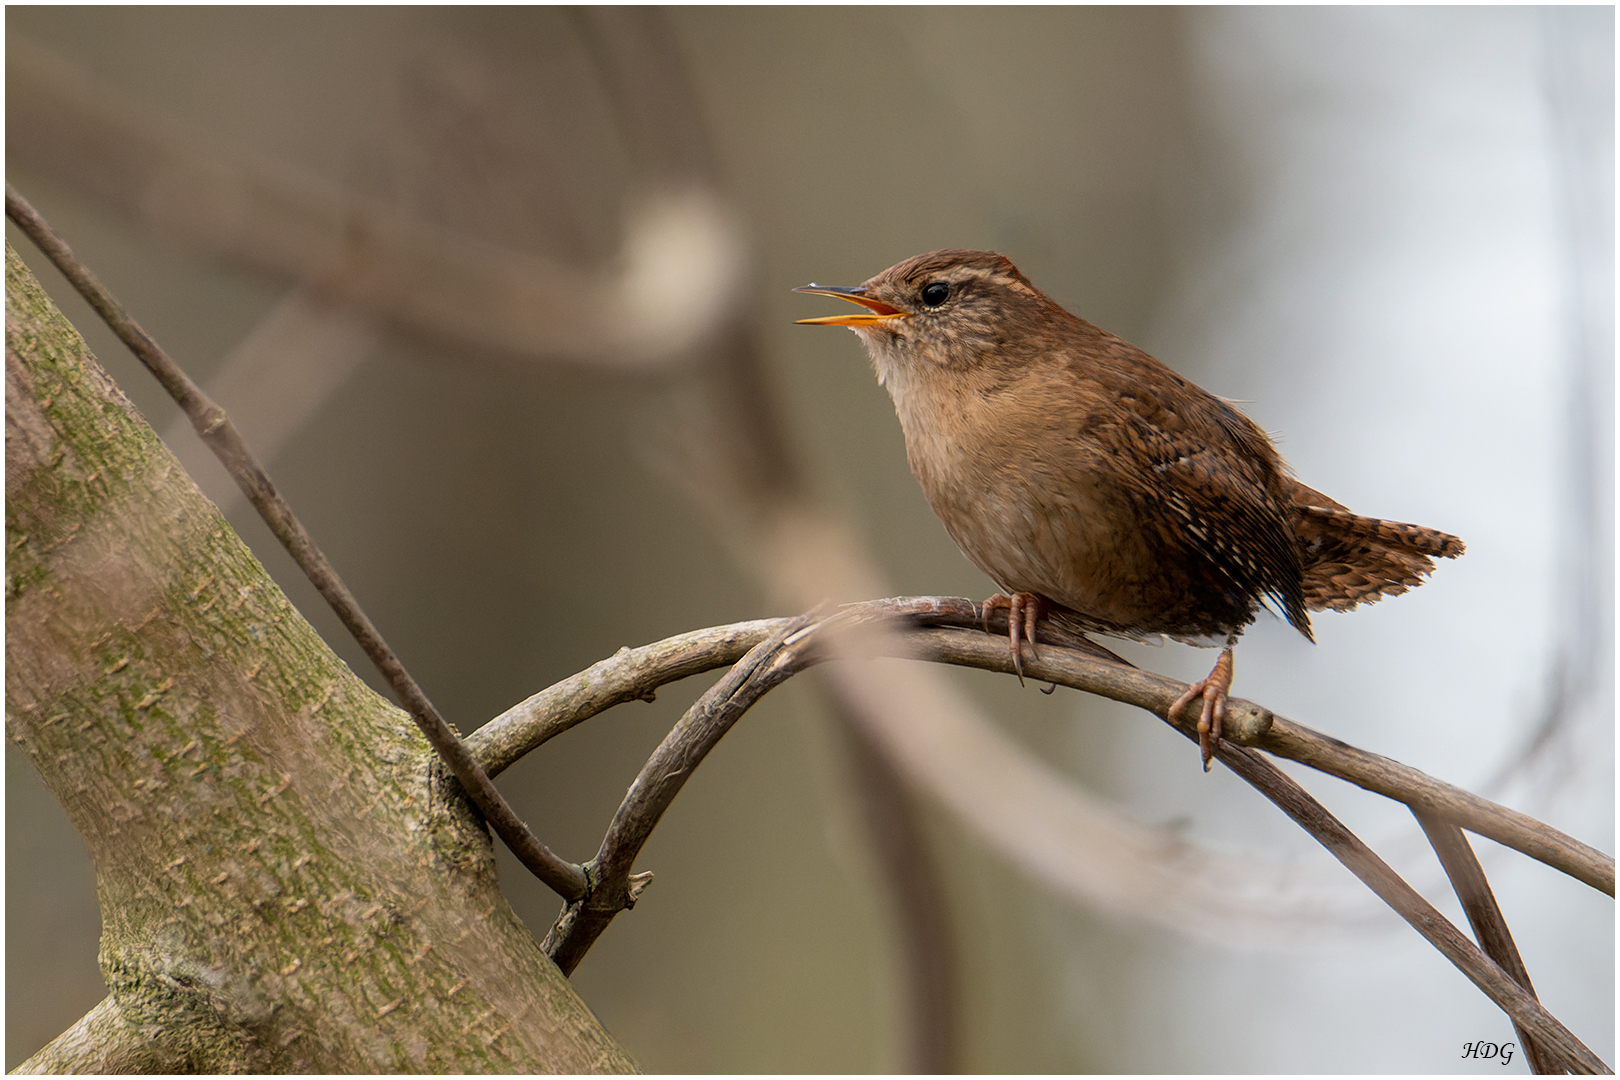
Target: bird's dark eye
(935,293)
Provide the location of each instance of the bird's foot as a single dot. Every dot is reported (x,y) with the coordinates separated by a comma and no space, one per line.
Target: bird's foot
(1213,690)
(1023,609)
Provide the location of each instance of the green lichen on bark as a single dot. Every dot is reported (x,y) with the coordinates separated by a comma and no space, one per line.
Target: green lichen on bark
(285,879)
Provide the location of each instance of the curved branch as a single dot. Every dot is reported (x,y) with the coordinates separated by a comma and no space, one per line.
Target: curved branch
(636,674)
(932,629)
(767,665)
(1527,1014)
(798,643)
(627,675)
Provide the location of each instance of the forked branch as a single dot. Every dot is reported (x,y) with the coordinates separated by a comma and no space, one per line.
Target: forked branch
(932,628)
(765,666)
(946,630)
(1485,916)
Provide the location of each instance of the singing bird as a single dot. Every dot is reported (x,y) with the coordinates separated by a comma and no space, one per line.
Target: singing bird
(1096,487)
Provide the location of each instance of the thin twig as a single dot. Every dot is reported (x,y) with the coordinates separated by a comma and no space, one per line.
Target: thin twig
(1485,916)
(627,675)
(765,666)
(215,429)
(1526,1012)
(1249,724)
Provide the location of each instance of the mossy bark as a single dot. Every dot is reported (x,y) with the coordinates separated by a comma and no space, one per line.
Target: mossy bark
(286,881)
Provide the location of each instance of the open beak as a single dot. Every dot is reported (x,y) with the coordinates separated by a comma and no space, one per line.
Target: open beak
(875,312)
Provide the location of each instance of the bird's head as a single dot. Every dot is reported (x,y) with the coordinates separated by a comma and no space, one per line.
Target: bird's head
(946,311)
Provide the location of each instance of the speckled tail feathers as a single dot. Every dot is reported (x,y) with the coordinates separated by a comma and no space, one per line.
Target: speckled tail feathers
(1350,560)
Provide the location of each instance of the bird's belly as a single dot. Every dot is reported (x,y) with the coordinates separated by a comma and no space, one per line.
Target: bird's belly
(1070,543)
(1044,514)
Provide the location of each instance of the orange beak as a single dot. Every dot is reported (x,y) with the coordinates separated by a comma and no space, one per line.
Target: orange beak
(875,312)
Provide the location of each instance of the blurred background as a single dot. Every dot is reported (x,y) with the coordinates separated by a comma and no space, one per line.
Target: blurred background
(504,296)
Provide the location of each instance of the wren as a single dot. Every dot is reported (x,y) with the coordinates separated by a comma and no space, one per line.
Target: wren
(1099,489)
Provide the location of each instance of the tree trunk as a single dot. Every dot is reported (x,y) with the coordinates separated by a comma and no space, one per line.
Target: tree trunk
(286,880)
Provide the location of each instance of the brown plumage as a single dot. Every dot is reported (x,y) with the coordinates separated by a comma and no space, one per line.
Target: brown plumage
(1096,486)
(1350,560)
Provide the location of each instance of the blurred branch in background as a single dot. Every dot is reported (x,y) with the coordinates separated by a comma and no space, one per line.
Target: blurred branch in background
(677,267)
(1577,79)
(276,380)
(736,429)
(918,914)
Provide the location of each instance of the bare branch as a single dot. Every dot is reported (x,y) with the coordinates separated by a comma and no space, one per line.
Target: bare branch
(1416,789)
(1257,726)
(627,675)
(1485,916)
(214,428)
(275,379)
(632,674)
(766,665)
(934,630)
(796,643)
(1497,985)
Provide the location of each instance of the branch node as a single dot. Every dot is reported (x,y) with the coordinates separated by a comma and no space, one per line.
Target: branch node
(1246,722)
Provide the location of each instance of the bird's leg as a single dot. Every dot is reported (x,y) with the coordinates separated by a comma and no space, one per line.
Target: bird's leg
(1023,609)
(1213,689)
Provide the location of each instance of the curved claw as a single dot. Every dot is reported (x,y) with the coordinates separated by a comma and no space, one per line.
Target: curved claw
(1023,610)
(1212,716)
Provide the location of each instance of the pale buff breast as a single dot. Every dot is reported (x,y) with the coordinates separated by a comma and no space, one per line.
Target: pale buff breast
(1032,518)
